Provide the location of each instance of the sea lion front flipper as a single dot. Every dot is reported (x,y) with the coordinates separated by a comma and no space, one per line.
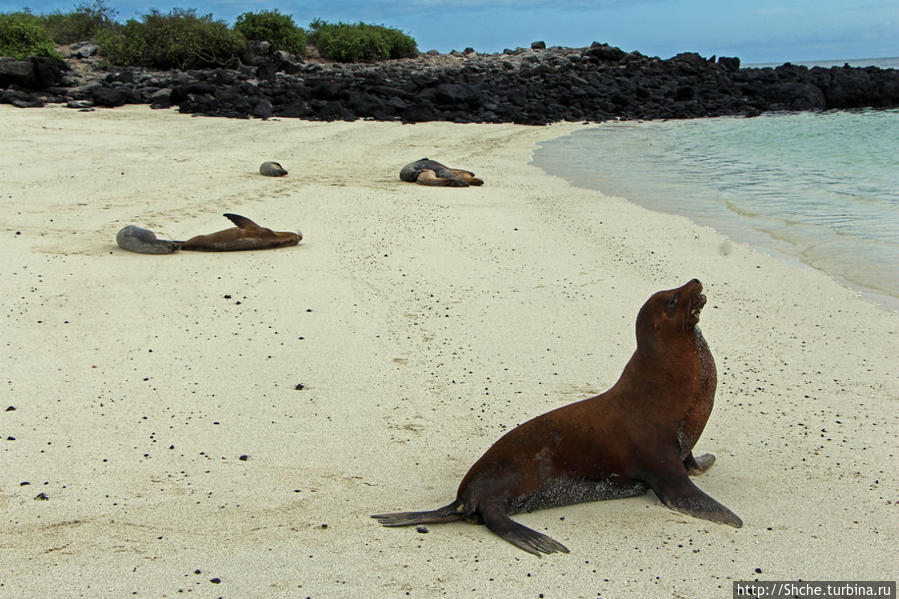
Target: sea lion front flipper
(685,497)
(241,221)
(447,513)
(518,534)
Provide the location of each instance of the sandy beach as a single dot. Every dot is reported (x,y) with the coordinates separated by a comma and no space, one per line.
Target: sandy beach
(224,424)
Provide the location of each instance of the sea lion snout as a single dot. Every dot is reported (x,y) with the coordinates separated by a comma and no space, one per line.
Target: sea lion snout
(697,302)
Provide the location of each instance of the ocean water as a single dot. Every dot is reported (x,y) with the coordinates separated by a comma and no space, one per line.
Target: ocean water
(820,188)
(882,63)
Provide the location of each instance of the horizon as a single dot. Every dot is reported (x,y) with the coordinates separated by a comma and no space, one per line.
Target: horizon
(767,32)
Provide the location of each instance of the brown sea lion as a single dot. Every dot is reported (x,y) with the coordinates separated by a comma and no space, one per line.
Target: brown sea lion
(272,169)
(247,235)
(636,436)
(431,172)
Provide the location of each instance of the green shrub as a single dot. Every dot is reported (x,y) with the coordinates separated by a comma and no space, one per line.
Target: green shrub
(401,45)
(179,39)
(273,27)
(23,35)
(361,42)
(81,25)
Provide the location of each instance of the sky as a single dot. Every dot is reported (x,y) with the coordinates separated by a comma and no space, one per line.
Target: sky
(756,31)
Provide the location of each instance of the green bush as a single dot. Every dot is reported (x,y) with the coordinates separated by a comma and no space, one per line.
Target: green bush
(22,35)
(81,25)
(361,42)
(273,27)
(179,39)
(401,45)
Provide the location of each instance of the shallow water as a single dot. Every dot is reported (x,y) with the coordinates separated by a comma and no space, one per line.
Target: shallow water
(822,188)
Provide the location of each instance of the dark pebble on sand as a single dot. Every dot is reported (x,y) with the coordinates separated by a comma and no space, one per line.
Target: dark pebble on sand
(227,296)
(758,570)
(215,580)
(300,386)
(10,438)
(11,409)
(421,529)
(41,497)
(244,458)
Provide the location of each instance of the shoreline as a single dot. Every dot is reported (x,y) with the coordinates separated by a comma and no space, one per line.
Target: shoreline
(422,323)
(732,218)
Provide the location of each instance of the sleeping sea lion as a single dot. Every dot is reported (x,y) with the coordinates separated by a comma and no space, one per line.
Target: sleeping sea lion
(636,436)
(431,172)
(272,169)
(247,235)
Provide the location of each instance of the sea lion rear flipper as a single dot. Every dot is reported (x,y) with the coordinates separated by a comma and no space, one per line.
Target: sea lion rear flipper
(518,534)
(700,464)
(466,176)
(241,221)
(685,497)
(446,513)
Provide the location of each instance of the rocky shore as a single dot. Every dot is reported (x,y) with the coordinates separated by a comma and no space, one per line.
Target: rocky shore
(536,85)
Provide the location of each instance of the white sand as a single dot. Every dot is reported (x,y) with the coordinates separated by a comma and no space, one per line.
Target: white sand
(423,323)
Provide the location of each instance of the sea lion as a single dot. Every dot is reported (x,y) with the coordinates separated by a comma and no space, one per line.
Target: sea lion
(247,235)
(636,436)
(272,169)
(431,172)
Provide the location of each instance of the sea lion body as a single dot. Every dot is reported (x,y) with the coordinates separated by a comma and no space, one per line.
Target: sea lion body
(431,172)
(272,169)
(636,436)
(247,235)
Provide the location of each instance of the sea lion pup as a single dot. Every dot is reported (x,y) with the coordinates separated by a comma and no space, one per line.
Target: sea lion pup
(247,235)
(431,172)
(636,436)
(272,169)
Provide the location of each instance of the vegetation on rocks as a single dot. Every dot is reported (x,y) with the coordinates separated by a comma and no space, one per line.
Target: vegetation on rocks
(360,42)
(23,35)
(179,39)
(84,23)
(184,40)
(272,27)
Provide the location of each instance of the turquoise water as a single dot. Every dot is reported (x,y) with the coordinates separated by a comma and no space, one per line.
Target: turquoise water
(821,188)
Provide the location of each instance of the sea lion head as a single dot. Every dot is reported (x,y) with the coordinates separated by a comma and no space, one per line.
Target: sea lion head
(671,312)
